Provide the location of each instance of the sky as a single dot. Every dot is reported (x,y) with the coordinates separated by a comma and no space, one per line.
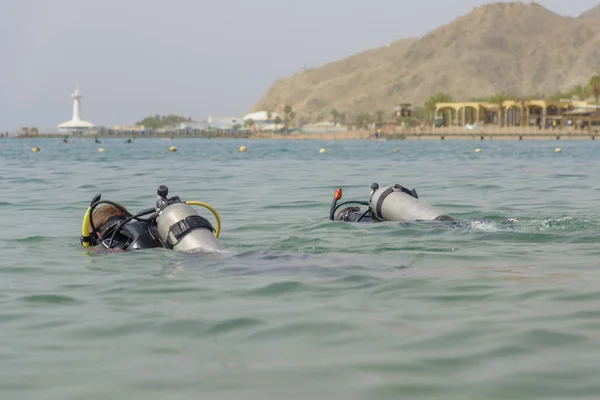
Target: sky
(134,58)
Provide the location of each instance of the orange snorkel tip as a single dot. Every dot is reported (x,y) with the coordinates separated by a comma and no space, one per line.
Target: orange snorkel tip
(336,197)
(338,194)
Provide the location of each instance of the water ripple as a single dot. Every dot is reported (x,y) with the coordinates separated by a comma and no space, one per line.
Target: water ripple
(501,303)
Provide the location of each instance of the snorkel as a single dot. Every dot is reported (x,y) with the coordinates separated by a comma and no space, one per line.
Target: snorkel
(335,206)
(86,240)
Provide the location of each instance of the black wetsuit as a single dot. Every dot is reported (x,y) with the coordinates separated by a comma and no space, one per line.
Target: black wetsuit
(134,235)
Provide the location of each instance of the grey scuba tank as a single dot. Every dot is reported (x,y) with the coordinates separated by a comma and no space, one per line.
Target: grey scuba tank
(181,227)
(395,203)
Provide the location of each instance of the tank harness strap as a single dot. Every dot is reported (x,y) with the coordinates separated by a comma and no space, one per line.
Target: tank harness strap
(380,201)
(181,228)
(412,193)
(387,192)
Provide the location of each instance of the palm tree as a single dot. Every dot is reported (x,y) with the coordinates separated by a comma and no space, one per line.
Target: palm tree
(523,103)
(379,115)
(594,87)
(343,118)
(360,121)
(365,119)
(432,102)
(335,115)
(499,99)
(288,117)
(580,91)
(557,96)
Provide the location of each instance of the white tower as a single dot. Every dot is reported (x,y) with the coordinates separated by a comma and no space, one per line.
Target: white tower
(76,124)
(76,104)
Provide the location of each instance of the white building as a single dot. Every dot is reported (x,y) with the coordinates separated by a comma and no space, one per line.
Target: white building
(262,117)
(264,120)
(76,124)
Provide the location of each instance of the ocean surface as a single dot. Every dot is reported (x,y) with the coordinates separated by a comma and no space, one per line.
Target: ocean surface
(504,305)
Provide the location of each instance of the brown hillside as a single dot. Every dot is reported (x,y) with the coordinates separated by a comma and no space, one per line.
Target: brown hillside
(592,13)
(522,49)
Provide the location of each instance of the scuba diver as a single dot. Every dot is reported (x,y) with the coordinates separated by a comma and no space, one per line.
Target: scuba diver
(393,203)
(171,224)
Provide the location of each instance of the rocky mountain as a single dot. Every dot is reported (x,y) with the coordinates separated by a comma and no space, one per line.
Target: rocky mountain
(592,13)
(520,48)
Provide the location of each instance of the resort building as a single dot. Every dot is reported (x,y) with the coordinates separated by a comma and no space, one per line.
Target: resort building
(537,113)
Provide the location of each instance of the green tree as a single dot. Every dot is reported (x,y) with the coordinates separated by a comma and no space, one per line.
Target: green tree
(594,87)
(363,120)
(359,120)
(288,116)
(277,120)
(335,115)
(343,118)
(433,101)
(379,117)
(557,96)
(418,113)
(158,121)
(580,91)
(151,122)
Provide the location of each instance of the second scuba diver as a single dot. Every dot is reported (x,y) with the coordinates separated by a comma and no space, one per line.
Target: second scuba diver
(393,203)
(171,224)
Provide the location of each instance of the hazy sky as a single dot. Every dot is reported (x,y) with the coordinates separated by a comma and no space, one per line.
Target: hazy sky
(133,58)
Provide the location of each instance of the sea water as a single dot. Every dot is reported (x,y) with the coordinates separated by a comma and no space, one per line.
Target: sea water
(505,304)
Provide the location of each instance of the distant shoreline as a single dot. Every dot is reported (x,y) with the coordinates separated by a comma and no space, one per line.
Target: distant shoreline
(438,134)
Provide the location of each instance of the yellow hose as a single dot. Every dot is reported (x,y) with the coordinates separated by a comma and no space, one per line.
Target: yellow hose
(85,228)
(215,213)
